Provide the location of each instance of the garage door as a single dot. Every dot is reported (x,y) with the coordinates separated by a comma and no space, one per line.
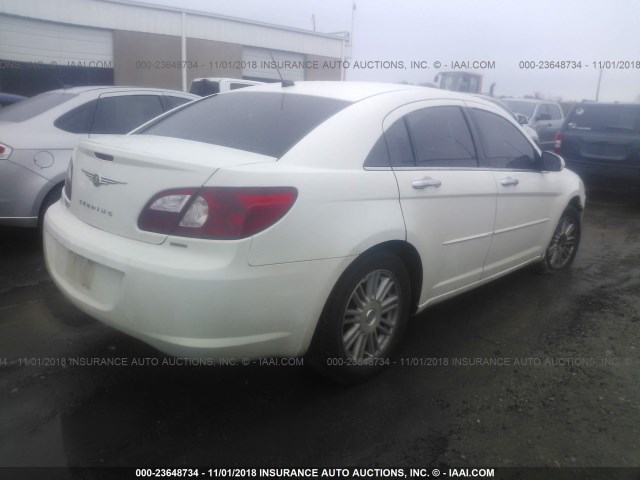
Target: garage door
(23,40)
(259,60)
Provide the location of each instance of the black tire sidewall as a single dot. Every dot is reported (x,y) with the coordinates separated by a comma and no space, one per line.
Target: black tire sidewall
(327,353)
(573,213)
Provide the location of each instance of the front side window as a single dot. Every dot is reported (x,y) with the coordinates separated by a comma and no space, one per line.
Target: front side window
(441,137)
(503,145)
(521,107)
(123,113)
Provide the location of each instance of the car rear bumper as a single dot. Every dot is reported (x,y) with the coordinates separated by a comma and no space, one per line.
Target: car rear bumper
(20,190)
(198,301)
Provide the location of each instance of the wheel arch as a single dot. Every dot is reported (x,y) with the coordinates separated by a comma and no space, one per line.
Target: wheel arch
(576,203)
(412,262)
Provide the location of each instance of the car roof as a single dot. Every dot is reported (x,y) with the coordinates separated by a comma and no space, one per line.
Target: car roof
(527,100)
(353,91)
(113,88)
(620,104)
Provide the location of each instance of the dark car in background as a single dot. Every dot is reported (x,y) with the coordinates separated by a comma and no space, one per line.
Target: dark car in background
(602,140)
(543,116)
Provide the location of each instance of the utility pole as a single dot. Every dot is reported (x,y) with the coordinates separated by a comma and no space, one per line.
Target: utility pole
(599,80)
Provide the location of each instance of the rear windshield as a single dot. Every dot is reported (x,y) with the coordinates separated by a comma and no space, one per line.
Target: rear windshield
(31,107)
(523,108)
(267,123)
(622,118)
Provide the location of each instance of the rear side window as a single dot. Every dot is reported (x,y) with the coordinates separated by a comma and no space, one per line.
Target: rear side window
(32,107)
(603,118)
(268,123)
(504,146)
(399,145)
(79,119)
(124,113)
(441,137)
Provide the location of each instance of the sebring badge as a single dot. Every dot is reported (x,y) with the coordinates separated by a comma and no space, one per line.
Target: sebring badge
(97,180)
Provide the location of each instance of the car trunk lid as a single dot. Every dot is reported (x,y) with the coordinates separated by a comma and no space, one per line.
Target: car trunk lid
(115,177)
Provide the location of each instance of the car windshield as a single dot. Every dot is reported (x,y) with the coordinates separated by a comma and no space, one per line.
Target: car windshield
(523,108)
(267,123)
(21,111)
(625,118)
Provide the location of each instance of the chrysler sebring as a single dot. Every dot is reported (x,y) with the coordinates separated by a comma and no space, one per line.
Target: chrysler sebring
(305,219)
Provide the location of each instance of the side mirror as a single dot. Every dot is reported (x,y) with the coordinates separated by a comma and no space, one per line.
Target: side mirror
(522,119)
(552,162)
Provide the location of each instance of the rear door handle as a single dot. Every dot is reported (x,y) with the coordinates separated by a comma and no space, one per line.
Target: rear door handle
(426,182)
(508,182)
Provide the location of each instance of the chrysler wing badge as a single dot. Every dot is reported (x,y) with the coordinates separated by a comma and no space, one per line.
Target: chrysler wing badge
(98,180)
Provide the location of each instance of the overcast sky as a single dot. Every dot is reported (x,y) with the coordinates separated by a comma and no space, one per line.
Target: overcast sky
(506,32)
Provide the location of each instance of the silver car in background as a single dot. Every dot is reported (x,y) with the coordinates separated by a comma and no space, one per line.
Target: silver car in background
(38,135)
(543,116)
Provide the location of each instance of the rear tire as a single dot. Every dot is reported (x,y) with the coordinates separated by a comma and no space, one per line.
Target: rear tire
(364,319)
(564,243)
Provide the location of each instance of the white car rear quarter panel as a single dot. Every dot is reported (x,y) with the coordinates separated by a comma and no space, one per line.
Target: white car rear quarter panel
(184,299)
(342,209)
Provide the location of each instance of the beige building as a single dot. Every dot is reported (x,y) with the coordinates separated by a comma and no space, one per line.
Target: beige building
(45,44)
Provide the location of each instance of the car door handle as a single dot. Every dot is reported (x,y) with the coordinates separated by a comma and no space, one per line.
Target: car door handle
(508,182)
(426,182)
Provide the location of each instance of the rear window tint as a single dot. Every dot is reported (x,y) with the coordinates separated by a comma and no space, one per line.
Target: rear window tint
(34,106)
(260,122)
(619,118)
(77,120)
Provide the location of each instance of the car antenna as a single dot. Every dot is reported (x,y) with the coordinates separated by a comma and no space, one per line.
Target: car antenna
(285,83)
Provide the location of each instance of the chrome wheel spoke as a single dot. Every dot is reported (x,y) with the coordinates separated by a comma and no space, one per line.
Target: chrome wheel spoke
(372,343)
(563,243)
(369,320)
(383,289)
(390,303)
(358,349)
(349,338)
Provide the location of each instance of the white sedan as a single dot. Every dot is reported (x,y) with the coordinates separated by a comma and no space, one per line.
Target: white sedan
(309,219)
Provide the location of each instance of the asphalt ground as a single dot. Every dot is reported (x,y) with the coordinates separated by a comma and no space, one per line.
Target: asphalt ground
(529,371)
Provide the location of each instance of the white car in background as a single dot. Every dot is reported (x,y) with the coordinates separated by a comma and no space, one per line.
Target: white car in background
(37,137)
(308,219)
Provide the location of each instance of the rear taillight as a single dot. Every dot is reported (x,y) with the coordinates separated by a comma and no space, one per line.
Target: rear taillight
(67,180)
(558,145)
(5,151)
(216,213)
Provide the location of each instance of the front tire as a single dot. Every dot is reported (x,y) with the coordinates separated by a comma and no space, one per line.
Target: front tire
(363,320)
(564,243)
